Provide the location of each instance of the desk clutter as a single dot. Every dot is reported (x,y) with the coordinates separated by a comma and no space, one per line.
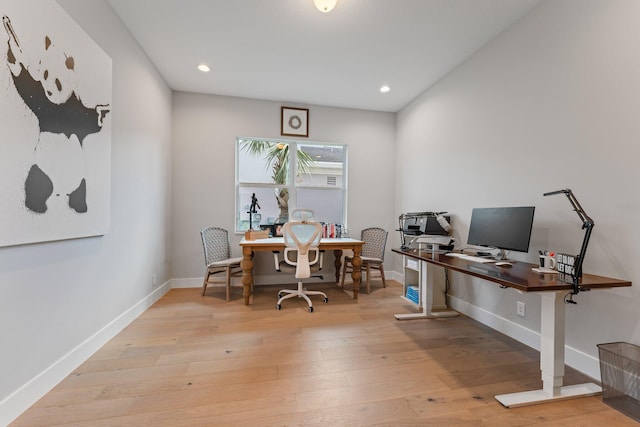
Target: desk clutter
(565,264)
(331,230)
(425,228)
(561,264)
(253,234)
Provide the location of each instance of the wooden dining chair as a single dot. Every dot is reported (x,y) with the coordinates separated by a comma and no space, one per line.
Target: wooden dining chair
(375,241)
(217,257)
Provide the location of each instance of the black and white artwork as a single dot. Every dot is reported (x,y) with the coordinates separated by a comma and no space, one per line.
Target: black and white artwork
(55,132)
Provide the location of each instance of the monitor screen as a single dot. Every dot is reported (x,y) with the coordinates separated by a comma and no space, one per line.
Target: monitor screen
(507,228)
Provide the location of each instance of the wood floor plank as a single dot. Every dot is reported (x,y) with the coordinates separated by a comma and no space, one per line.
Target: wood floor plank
(196,361)
(83,412)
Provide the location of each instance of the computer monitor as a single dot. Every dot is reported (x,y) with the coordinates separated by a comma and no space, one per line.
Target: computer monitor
(506,228)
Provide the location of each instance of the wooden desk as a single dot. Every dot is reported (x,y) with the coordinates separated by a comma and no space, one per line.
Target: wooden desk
(552,317)
(277,244)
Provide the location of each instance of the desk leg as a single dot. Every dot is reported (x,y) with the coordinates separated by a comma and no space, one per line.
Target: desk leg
(552,334)
(338,263)
(356,274)
(427,281)
(247,277)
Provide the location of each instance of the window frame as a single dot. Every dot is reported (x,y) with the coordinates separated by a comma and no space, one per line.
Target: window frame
(291,184)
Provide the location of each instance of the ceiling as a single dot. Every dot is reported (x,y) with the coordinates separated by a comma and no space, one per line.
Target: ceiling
(288,51)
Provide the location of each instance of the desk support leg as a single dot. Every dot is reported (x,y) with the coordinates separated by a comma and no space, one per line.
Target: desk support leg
(337,253)
(356,274)
(427,279)
(247,277)
(552,340)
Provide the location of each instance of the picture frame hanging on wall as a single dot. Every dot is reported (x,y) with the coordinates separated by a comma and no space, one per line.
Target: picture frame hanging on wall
(55,138)
(294,121)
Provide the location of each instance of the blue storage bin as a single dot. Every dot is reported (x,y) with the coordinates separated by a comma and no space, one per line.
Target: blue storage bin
(412,293)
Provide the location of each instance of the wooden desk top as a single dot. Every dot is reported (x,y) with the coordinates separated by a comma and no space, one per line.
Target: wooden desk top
(275,243)
(519,276)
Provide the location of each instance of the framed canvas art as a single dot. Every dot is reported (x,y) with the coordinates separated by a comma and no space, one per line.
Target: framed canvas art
(55,132)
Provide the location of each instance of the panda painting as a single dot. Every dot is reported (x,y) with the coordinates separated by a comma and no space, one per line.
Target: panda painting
(47,89)
(57,177)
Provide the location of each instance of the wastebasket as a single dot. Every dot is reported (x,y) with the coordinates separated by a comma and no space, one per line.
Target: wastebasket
(620,374)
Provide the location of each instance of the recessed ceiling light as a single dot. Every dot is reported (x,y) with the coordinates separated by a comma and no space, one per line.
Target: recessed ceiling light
(204,68)
(385,89)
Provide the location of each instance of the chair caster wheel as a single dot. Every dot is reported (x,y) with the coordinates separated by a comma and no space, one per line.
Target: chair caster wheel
(326,300)
(310,309)
(278,306)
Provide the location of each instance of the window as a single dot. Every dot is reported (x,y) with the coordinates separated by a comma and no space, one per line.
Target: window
(285,174)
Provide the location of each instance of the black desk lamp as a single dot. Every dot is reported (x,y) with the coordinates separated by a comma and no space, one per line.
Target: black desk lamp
(587,225)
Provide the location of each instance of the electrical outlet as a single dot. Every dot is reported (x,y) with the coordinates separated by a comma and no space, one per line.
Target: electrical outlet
(154,280)
(520,309)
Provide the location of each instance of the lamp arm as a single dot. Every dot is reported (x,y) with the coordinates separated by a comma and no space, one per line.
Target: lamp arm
(583,250)
(587,225)
(586,220)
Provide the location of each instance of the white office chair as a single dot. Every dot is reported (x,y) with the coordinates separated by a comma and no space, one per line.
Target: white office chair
(301,237)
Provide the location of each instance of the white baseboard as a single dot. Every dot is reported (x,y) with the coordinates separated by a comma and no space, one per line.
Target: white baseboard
(583,362)
(393,275)
(193,282)
(21,399)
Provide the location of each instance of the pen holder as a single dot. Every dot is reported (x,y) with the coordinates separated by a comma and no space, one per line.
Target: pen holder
(547,261)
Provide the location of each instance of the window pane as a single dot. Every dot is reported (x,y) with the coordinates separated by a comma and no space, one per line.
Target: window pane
(327,204)
(263,162)
(324,166)
(269,211)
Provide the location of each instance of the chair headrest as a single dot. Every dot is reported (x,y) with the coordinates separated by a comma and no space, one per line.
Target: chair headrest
(302,235)
(302,215)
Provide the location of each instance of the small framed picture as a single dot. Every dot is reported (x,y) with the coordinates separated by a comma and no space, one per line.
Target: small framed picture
(277,229)
(294,121)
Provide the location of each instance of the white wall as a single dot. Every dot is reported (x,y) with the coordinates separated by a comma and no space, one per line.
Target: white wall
(60,301)
(205,128)
(552,103)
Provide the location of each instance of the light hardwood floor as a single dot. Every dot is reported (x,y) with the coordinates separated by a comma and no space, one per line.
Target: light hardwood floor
(199,361)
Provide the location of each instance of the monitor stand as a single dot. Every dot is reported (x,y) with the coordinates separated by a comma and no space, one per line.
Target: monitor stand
(502,256)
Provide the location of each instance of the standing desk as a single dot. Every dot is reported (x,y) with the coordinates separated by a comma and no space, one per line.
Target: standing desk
(277,244)
(552,317)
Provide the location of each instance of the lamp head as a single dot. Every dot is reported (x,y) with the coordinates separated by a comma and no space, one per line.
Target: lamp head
(551,193)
